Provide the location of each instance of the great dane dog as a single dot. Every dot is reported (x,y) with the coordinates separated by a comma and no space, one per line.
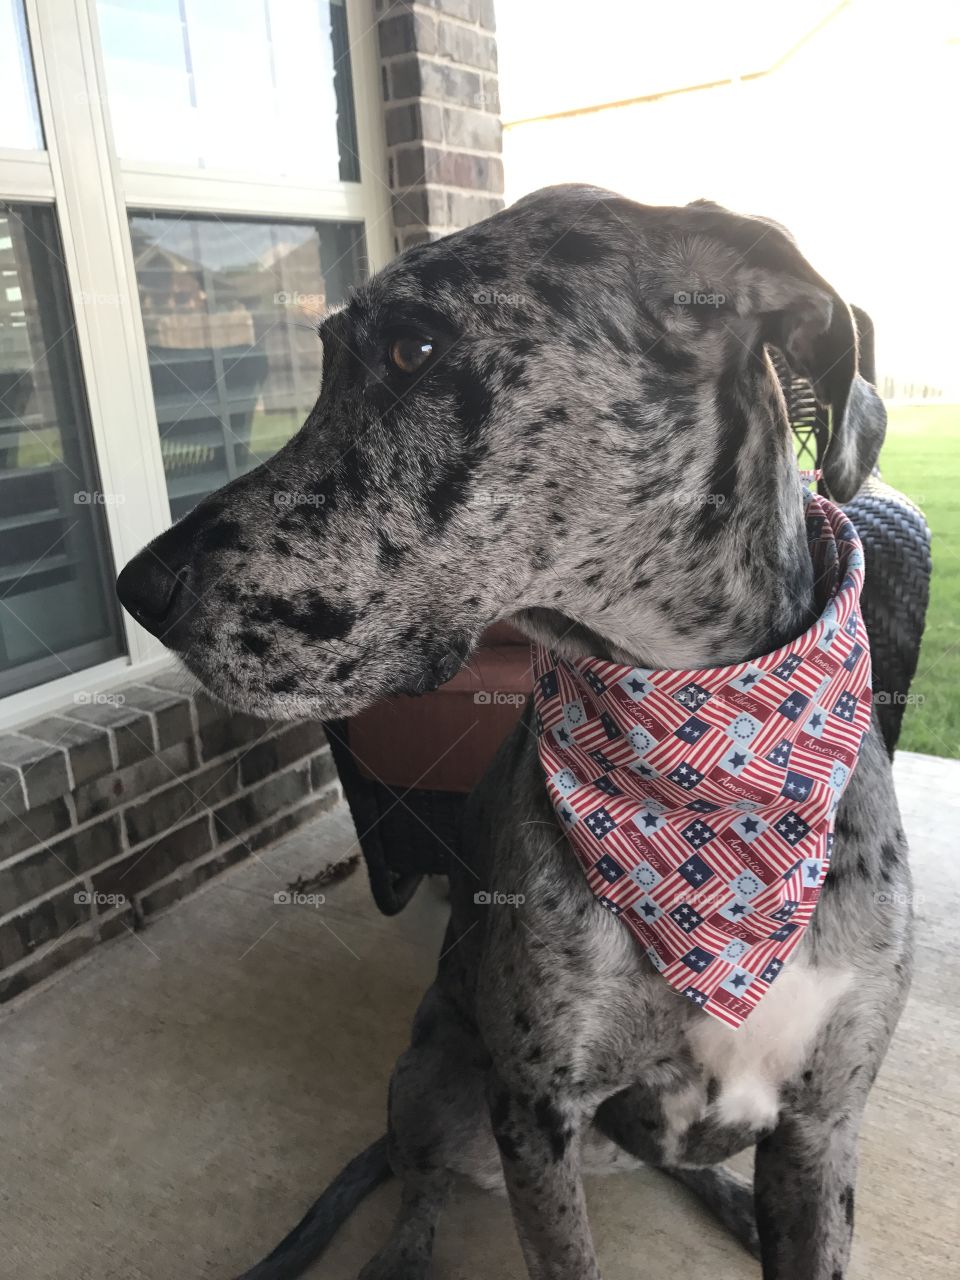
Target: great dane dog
(511,422)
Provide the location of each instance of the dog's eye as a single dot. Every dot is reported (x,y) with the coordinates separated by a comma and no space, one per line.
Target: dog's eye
(410,354)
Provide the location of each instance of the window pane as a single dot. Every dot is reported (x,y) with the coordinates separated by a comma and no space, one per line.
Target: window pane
(57,605)
(230,311)
(254,85)
(19,114)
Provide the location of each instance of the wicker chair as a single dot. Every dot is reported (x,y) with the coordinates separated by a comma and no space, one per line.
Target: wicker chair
(408,832)
(405,833)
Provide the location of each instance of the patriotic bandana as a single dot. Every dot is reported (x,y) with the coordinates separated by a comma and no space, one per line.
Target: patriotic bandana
(701,804)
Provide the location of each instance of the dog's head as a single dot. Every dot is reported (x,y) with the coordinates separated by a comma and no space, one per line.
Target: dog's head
(506,419)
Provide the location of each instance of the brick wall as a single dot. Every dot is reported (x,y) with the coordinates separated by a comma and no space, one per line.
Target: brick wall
(114,808)
(441,114)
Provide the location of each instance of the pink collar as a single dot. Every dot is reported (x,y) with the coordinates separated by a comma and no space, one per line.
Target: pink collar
(701,803)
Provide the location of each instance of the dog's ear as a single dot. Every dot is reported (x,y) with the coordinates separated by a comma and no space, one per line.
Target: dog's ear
(764,276)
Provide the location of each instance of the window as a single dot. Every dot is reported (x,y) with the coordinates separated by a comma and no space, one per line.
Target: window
(260,85)
(19,116)
(57,612)
(185,187)
(230,310)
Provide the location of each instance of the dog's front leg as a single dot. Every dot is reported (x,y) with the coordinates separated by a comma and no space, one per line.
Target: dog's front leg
(804,1181)
(539,1141)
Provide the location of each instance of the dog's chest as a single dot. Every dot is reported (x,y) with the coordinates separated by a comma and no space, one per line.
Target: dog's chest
(735,1092)
(690,1088)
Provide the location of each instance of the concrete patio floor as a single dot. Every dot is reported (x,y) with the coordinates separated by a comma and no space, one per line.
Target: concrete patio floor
(171,1107)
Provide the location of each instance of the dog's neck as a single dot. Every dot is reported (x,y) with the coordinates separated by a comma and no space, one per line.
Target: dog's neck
(714,570)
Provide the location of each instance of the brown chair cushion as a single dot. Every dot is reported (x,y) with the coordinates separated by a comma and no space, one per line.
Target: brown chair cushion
(444,741)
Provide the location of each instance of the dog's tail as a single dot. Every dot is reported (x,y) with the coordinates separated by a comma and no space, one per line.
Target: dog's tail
(317,1227)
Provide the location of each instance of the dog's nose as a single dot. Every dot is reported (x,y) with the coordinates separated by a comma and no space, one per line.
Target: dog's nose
(150,591)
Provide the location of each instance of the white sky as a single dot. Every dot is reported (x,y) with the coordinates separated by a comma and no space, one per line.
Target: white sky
(852,144)
(556,55)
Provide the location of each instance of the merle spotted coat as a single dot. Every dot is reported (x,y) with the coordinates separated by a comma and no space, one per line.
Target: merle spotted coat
(565,416)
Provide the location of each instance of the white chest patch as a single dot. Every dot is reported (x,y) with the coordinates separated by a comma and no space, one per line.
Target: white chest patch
(752,1062)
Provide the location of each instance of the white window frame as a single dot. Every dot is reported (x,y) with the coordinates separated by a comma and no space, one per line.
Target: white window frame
(92,189)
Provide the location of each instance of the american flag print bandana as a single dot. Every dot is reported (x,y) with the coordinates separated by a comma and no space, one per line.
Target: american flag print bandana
(701,803)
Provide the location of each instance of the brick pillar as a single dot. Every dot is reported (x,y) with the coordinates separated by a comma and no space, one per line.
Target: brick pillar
(442,115)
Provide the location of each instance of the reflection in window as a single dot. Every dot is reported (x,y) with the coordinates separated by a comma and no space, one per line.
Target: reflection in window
(57,608)
(261,86)
(19,115)
(230,312)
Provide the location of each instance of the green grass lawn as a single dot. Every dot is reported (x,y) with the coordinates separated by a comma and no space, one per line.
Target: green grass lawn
(921,458)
